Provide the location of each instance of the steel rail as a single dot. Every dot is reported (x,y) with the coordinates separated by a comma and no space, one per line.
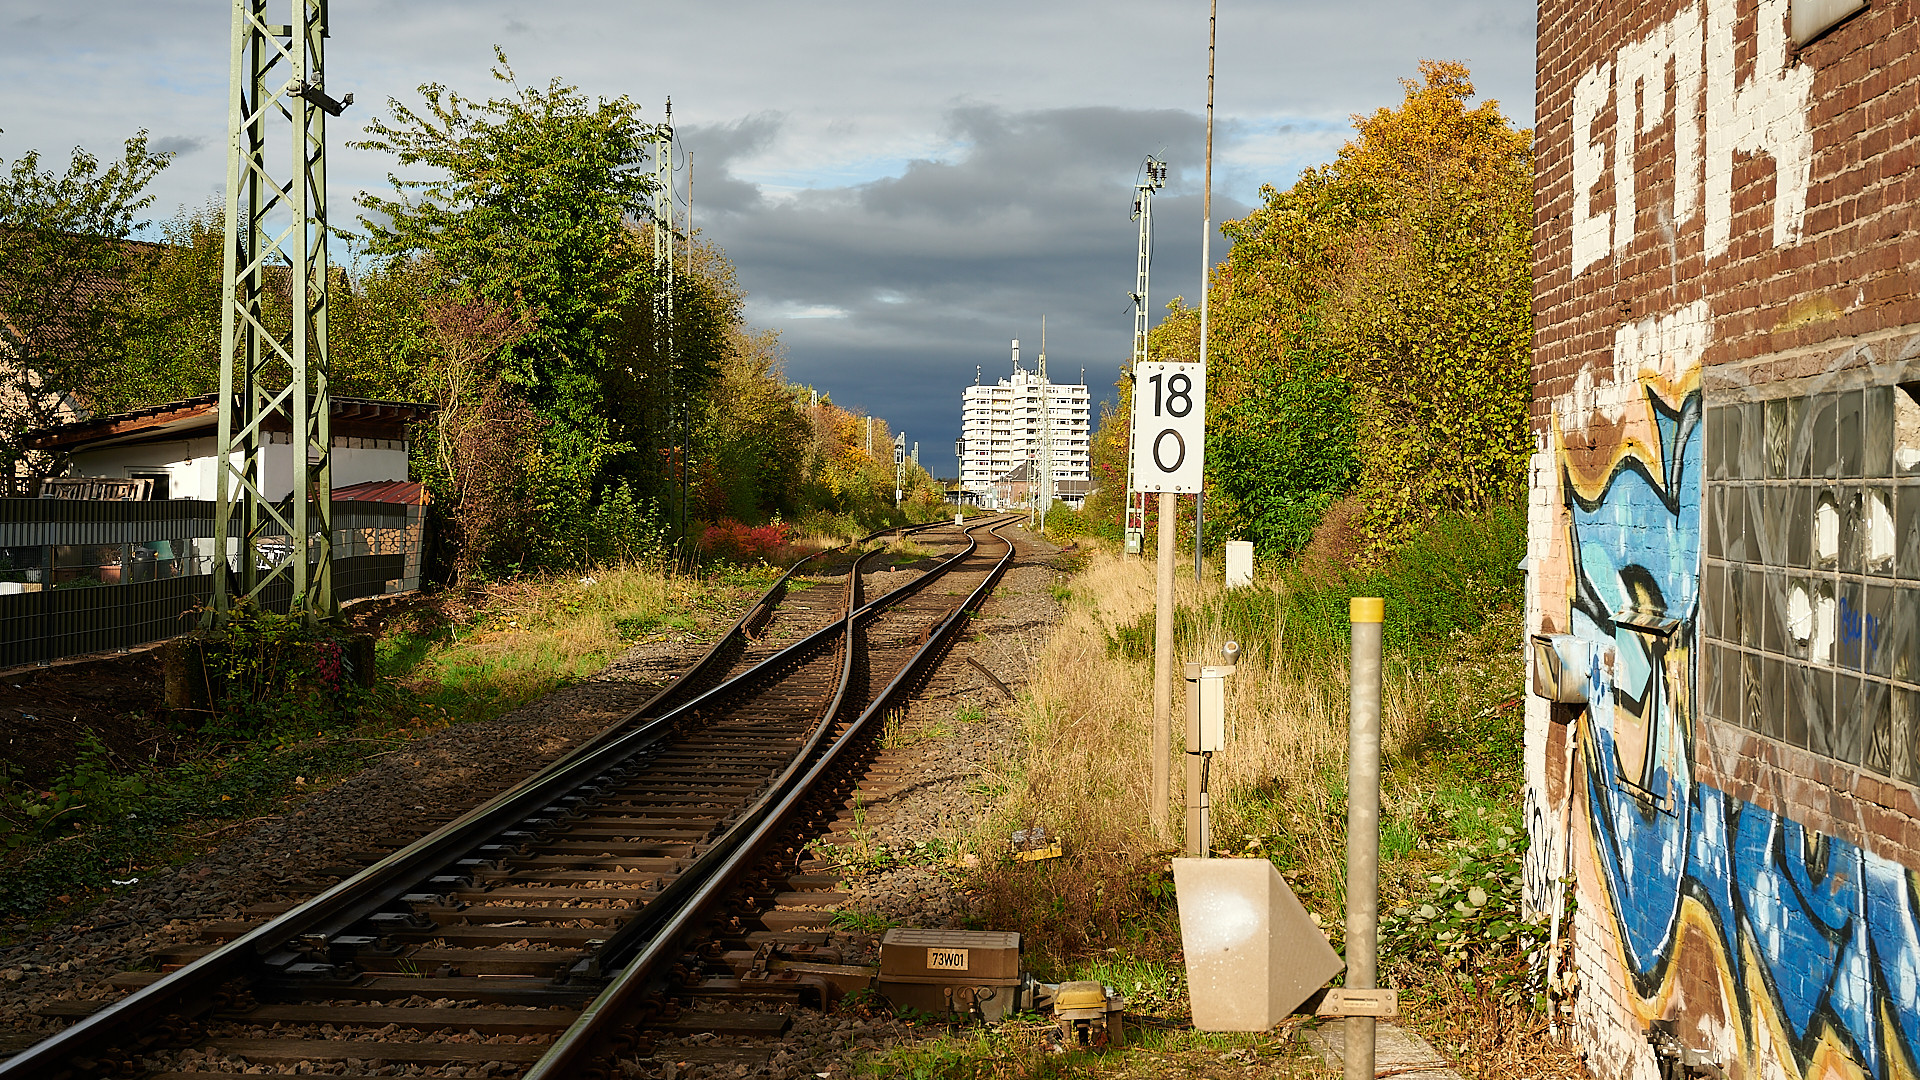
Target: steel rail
(578,1051)
(741,627)
(199,986)
(619,947)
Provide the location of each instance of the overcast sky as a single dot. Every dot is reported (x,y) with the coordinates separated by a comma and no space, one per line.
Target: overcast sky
(903,186)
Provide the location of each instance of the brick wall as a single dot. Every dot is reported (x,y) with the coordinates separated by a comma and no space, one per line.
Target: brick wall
(1724,231)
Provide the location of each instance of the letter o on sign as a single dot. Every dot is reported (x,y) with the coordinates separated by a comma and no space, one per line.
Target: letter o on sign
(1179,445)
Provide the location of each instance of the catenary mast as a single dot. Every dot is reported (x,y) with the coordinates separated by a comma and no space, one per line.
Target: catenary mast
(1154,180)
(273,379)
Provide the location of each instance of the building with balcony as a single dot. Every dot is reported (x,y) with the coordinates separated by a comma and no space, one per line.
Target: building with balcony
(1002,430)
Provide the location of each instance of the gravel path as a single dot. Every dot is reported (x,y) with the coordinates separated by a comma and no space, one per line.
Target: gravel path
(946,760)
(950,753)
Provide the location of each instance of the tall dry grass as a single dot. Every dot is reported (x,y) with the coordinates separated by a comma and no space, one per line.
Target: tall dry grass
(1278,789)
(1089,715)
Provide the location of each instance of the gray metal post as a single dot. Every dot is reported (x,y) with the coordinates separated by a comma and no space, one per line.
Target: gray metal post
(1196,767)
(1363,825)
(1163,664)
(1206,263)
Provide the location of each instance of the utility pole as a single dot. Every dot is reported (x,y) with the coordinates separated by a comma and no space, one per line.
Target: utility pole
(1045,478)
(663,303)
(1206,276)
(275,228)
(1135,528)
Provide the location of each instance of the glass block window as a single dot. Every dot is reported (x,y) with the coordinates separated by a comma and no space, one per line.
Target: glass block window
(1810,589)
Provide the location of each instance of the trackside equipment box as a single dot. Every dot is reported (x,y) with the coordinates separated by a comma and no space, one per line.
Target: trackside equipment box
(950,971)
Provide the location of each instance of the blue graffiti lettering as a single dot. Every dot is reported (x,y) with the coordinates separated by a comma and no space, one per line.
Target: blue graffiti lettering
(1832,929)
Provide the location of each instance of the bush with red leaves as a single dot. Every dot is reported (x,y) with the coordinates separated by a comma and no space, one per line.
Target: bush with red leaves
(730,540)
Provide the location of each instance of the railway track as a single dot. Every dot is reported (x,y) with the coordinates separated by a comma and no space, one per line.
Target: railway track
(546,933)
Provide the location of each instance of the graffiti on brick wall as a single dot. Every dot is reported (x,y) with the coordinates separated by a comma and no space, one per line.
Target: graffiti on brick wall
(1790,953)
(1716,107)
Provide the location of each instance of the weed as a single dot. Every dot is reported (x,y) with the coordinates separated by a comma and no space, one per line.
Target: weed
(268,671)
(533,635)
(90,793)
(490,651)
(861,922)
(970,713)
(898,732)
(113,826)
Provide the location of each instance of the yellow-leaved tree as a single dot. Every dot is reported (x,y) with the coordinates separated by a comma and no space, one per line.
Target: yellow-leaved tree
(1371,326)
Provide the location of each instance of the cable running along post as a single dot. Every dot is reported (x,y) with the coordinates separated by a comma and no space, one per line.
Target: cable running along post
(273,375)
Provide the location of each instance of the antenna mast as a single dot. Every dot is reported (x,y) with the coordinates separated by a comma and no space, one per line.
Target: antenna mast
(275,229)
(1046,434)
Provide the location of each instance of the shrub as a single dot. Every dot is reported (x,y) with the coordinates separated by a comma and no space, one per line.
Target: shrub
(266,672)
(734,542)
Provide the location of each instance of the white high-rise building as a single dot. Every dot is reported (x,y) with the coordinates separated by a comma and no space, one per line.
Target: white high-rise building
(1001,426)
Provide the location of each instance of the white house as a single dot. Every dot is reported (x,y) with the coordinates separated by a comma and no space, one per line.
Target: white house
(172,445)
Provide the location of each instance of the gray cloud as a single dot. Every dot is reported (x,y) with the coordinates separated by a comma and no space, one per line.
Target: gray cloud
(940,174)
(178,145)
(716,148)
(889,293)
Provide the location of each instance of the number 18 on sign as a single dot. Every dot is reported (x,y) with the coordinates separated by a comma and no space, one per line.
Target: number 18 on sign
(1169,426)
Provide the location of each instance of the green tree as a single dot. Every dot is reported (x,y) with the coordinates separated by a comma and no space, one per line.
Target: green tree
(532,211)
(66,313)
(536,207)
(1371,325)
(173,349)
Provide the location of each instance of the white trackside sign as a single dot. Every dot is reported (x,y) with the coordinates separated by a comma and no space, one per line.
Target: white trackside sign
(1169,426)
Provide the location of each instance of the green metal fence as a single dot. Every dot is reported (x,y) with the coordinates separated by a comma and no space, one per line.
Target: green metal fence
(82,577)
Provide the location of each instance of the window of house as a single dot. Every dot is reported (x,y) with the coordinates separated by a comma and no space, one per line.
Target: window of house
(160,489)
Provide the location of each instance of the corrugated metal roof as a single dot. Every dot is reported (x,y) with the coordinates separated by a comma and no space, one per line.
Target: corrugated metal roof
(181,419)
(409,492)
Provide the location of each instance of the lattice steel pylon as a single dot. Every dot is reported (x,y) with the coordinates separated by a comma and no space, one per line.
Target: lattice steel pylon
(677,407)
(1155,179)
(273,370)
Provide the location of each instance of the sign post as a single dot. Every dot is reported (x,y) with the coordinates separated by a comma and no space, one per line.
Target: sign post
(1169,456)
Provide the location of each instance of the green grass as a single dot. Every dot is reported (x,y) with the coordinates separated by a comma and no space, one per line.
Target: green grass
(145,820)
(537,634)
(1440,590)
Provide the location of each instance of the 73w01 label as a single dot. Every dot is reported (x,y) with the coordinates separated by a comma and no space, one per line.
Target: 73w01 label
(946,959)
